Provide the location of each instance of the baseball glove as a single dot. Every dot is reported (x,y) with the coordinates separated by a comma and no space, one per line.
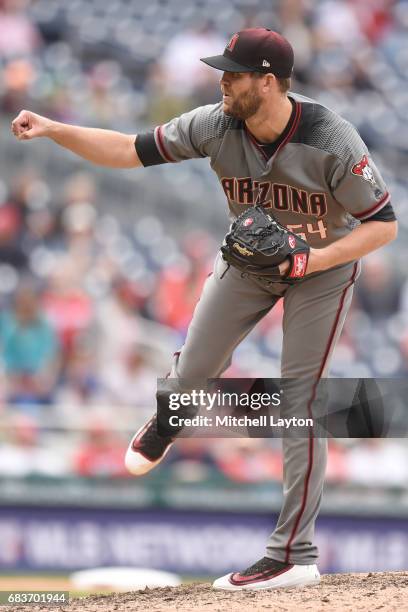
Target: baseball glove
(256,244)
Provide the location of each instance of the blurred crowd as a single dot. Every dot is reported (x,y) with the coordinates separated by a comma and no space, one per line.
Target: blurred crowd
(93,304)
(77,324)
(93,445)
(127,63)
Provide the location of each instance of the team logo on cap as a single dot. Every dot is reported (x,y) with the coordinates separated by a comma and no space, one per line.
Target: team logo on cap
(292,242)
(232,42)
(266,64)
(363,169)
(248,222)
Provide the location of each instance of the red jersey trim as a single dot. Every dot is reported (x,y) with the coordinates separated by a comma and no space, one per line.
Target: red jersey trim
(293,128)
(256,143)
(374,209)
(161,146)
(295,123)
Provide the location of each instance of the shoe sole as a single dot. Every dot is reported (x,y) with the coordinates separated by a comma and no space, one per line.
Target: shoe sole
(253,587)
(138,464)
(278,582)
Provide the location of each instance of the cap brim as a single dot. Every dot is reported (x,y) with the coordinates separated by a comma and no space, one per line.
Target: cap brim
(220,62)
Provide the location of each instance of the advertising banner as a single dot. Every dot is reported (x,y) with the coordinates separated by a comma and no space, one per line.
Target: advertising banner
(189,543)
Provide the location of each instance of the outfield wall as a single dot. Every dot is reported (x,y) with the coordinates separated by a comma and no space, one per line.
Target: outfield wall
(187,542)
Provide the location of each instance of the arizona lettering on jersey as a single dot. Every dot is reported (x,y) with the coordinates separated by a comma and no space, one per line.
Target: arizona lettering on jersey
(320,177)
(275,196)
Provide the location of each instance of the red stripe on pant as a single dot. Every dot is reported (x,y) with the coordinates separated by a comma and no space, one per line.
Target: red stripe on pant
(309,410)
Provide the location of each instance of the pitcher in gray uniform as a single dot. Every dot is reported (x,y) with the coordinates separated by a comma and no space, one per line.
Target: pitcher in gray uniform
(313,171)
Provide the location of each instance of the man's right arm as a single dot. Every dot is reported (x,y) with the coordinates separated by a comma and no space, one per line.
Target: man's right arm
(101,147)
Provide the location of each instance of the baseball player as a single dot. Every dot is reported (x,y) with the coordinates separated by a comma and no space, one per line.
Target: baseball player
(313,172)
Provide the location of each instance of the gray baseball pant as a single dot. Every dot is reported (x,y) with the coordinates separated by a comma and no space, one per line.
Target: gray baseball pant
(314,314)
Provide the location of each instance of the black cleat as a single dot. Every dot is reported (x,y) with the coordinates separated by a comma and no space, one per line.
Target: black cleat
(146,449)
(269,574)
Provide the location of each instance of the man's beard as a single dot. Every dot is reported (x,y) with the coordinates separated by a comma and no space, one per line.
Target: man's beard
(245,106)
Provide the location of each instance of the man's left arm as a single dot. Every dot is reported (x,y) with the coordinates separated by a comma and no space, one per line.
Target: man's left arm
(365,238)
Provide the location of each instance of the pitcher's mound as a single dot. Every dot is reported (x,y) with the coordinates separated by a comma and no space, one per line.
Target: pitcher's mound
(385,591)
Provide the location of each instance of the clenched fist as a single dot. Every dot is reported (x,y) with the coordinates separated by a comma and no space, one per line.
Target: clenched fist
(28,125)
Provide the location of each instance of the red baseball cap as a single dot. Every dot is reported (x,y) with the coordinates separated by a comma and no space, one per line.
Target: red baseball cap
(255,50)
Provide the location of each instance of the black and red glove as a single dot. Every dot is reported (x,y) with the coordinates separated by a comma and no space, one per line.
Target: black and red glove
(256,244)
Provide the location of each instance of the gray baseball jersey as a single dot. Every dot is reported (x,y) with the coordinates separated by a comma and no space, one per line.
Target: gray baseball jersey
(319,182)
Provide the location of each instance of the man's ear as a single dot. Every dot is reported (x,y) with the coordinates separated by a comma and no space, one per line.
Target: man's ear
(269,82)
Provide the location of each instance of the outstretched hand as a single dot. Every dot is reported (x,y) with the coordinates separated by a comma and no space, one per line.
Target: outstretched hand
(28,125)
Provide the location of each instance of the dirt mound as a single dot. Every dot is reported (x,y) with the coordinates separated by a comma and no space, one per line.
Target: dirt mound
(336,592)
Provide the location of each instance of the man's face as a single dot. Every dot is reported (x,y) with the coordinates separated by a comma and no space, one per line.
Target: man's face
(240,94)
